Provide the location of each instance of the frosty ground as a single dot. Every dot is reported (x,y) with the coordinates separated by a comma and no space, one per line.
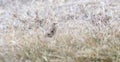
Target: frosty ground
(59,30)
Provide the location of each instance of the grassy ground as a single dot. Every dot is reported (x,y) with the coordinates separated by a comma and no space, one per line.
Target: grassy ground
(59,30)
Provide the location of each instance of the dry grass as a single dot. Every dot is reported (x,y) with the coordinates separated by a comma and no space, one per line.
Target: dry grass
(59,31)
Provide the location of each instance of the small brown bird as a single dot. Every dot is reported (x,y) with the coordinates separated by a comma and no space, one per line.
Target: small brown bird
(52,30)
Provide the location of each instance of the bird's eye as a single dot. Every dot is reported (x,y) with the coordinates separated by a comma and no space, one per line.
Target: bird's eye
(52,31)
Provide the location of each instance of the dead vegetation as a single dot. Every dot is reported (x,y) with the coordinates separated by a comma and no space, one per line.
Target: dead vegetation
(59,31)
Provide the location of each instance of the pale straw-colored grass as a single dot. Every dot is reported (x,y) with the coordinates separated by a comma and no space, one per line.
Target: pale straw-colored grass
(59,31)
